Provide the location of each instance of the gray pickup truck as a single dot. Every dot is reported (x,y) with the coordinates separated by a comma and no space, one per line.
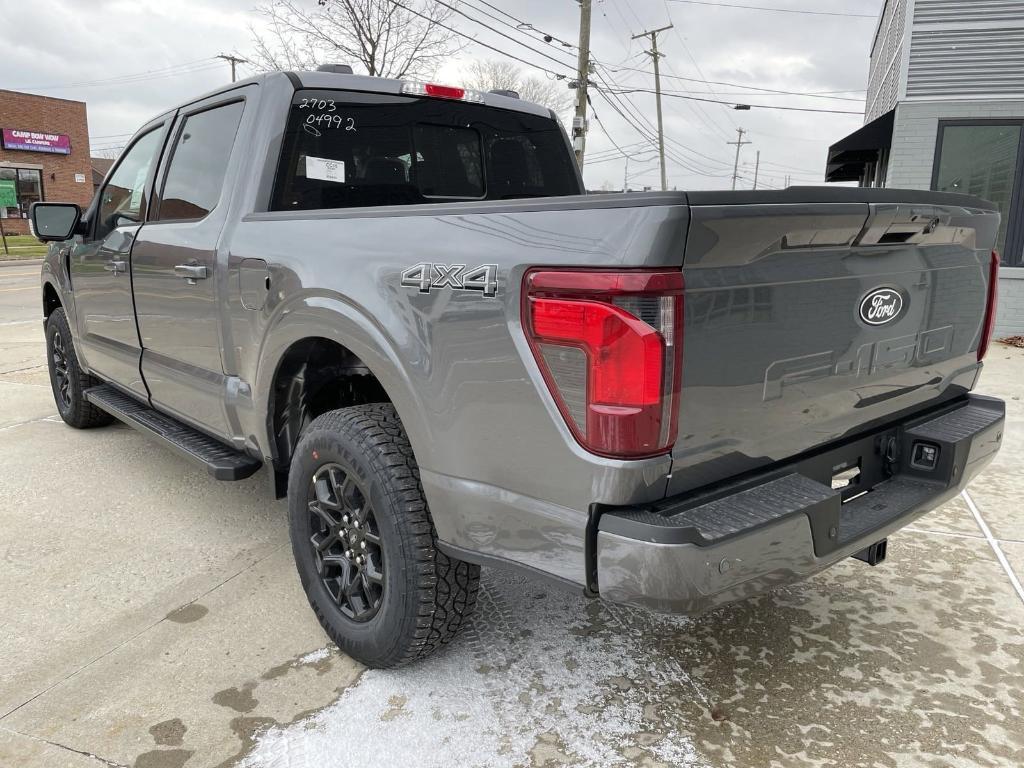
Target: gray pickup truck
(398,299)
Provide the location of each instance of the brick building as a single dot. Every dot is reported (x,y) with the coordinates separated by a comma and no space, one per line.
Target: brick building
(44,154)
(945,111)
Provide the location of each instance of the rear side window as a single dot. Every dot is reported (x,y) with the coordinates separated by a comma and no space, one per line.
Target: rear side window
(198,163)
(349,150)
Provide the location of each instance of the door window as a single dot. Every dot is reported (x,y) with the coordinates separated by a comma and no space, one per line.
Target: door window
(984,160)
(199,162)
(123,197)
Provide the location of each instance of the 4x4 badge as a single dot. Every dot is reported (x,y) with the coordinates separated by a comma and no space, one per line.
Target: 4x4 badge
(426,276)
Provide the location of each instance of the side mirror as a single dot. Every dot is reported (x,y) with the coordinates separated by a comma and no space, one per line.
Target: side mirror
(54,222)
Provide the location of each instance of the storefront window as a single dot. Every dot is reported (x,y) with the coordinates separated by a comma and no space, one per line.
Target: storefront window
(28,184)
(984,160)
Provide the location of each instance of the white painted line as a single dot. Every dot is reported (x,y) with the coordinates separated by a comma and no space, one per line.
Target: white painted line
(952,535)
(23,384)
(9,427)
(994,544)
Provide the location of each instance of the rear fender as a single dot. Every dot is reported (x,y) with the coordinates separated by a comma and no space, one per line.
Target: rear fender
(331,318)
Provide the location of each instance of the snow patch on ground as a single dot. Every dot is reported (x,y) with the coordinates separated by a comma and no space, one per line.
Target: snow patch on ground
(314,656)
(537,677)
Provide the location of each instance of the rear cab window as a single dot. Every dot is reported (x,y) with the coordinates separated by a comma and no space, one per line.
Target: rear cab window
(345,149)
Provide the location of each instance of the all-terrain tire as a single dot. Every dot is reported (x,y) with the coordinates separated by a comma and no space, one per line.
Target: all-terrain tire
(426,596)
(67,379)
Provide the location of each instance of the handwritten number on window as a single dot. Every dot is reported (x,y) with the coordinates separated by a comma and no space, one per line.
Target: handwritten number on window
(318,104)
(327,120)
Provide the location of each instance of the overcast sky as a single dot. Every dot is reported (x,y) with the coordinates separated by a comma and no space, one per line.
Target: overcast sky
(162,52)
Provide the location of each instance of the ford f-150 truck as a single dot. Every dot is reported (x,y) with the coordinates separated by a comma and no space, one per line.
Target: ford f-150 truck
(397,298)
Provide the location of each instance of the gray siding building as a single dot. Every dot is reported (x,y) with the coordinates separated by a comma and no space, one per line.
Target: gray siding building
(945,111)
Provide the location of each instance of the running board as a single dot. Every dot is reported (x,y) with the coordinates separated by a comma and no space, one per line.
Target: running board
(221,461)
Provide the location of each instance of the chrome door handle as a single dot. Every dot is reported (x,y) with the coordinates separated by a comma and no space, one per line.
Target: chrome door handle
(115,266)
(190,272)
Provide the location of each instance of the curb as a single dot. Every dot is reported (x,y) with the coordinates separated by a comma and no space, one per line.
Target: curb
(21,263)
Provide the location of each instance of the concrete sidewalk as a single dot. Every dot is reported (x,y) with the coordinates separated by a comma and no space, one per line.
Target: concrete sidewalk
(153,618)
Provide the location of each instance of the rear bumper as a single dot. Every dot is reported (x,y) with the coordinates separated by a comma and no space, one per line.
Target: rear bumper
(687,554)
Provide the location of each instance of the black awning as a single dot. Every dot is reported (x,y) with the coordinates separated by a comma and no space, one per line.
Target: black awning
(848,157)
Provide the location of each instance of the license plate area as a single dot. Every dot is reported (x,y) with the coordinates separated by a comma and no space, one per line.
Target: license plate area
(848,479)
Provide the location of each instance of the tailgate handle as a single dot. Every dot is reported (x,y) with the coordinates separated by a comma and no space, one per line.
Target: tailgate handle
(899,224)
(190,272)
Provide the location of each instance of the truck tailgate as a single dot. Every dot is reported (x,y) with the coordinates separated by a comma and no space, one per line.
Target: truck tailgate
(806,323)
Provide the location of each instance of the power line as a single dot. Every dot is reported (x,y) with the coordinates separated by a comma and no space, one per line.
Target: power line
(734,104)
(696,107)
(111,136)
(173,70)
(462,13)
(802,11)
(648,131)
(810,94)
(524,26)
(471,39)
(645,132)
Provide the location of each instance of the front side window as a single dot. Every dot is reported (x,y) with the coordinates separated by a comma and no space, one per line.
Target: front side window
(199,162)
(25,186)
(124,194)
(983,160)
(346,150)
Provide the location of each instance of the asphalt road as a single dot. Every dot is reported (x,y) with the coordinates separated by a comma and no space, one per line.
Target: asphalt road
(152,617)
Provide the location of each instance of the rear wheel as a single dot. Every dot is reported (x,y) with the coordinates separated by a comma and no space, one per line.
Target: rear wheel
(364,543)
(67,379)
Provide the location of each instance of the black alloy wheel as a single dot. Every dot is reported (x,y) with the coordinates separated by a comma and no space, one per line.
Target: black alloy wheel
(346,542)
(61,380)
(67,379)
(364,541)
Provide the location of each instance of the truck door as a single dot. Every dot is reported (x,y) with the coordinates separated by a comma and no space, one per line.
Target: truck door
(175,266)
(100,266)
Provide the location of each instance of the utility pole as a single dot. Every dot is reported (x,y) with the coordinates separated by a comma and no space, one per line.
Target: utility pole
(739,144)
(625,176)
(579,123)
(653,53)
(757,168)
(233,60)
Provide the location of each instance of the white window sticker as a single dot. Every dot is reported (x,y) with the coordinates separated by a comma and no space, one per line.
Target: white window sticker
(324,169)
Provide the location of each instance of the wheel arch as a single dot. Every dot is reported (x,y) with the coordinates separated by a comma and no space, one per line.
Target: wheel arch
(51,299)
(324,355)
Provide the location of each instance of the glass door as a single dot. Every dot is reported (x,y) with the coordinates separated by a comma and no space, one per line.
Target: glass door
(985,159)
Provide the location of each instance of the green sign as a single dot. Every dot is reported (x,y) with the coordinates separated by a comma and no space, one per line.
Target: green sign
(8,194)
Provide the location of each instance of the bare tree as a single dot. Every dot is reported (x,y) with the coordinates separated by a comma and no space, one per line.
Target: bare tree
(388,38)
(489,75)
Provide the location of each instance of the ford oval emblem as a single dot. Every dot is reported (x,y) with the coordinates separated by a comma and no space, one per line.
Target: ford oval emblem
(881,306)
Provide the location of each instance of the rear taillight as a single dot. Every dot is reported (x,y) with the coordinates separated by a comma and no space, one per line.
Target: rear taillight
(441,91)
(609,345)
(990,307)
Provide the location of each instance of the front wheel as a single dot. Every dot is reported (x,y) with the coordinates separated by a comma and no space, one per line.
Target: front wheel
(67,379)
(365,545)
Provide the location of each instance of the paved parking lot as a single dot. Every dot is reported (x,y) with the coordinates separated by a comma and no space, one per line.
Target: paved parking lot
(152,617)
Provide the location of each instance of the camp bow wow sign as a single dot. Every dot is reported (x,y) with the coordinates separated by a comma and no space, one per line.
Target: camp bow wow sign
(32,141)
